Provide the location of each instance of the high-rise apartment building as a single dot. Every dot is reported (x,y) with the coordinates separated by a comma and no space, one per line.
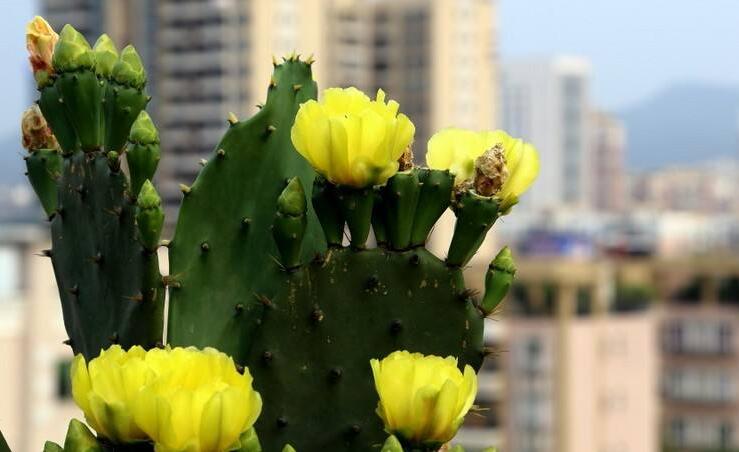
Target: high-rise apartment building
(699,341)
(546,101)
(607,145)
(580,374)
(207,58)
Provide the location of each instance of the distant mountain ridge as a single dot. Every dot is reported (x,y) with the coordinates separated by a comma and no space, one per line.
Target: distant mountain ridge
(685,123)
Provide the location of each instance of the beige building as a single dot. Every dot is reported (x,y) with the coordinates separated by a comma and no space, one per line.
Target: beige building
(607,146)
(579,376)
(34,378)
(699,340)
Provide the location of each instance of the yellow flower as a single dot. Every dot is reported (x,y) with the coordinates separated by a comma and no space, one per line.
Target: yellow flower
(183,399)
(457,150)
(350,139)
(40,42)
(423,399)
(105,389)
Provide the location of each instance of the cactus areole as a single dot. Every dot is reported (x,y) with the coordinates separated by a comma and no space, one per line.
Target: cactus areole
(260,265)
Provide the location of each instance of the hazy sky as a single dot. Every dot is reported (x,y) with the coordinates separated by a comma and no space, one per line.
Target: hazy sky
(636,46)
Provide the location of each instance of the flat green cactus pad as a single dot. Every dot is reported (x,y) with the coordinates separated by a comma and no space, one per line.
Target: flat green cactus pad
(310,355)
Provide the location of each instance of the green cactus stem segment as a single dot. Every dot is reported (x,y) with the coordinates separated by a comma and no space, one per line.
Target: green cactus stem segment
(433,199)
(143,151)
(290,223)
(55,113)
(101,267)
(125,98)
(44,168)
(82,95)
(400,197)
(80,439)
(232,205)
(106,56)
(150,216)
(326,204)
(356,208)
(498,280)
(475,216)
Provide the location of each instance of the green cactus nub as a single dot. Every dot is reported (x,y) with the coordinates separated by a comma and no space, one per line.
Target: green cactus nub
(129,70)
(292,199)
(150,217)
(498,280)
(290,223)
(106,56)
(143,152)
(143,130)
(288,448)
(392,445)
(80,438)
(72,52)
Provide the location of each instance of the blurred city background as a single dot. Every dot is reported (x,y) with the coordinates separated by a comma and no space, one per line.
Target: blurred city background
(621,334)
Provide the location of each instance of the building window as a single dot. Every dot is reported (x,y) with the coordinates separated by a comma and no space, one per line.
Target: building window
(63,380)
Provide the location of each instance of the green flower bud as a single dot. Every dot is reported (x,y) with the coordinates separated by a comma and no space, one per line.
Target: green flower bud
(288,448)
(129,70)
(143,130)
(148,196)
(106,56)
(150,217)
(292,199)
(72,52)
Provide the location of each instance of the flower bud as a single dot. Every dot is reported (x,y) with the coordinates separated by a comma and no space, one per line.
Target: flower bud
(72,52)
(129,70)
(106,56)
(35,131)
(40,42)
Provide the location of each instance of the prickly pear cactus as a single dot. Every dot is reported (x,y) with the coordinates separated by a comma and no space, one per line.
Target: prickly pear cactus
(222,258)
(107,274)
(250,275)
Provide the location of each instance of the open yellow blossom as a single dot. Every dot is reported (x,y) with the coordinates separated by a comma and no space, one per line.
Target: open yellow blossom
(40,42)
(183,399)
(458,150)
(423,399)
(350,139)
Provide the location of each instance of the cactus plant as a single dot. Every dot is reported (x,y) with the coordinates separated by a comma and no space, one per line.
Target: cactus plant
(108,278)
(258,268)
